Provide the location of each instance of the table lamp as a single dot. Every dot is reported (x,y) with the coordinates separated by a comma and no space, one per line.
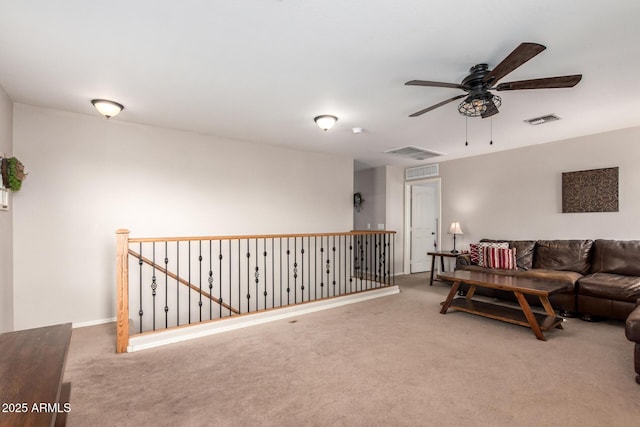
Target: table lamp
(455,229)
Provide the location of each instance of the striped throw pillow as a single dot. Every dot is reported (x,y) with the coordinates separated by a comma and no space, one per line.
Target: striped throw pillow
(476,253)
(500,258)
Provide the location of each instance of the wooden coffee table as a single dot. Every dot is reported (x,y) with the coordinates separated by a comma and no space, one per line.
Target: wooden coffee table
(520,287)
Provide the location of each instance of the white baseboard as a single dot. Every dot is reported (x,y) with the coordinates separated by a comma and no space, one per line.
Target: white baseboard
(92,322)
(146,341)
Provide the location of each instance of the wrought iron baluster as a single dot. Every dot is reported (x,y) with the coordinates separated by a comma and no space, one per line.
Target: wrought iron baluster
(367,257)
(302,272)
(321,262)
(309,268)
(230,282)
(200,280)
(189,275)
(257,276)
(273,273)
(154,286)
(177,283)
(295,270)
(210,280)
(166,286)
(248,277)
(264,247)
(288,273)
(140,311)
(393,258)
(220,276)
(280,268)
(351,270)
(239,277)
(333,249)
(361,264)
(328,269)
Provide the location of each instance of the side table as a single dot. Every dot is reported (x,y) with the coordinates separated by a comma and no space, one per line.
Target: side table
(442,255)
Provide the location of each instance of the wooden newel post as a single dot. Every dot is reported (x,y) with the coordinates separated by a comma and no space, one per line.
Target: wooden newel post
(122,290)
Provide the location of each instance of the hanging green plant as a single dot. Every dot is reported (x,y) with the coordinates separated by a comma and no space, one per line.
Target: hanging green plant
(12,171)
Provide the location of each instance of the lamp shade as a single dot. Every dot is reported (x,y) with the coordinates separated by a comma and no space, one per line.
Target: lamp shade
(325,122)
(107,108)
(455,228)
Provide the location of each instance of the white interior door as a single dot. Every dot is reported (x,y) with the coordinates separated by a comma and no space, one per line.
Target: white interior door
(424,220)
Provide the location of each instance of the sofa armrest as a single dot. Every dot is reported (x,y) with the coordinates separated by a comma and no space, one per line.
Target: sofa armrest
(632,325)
(462,260)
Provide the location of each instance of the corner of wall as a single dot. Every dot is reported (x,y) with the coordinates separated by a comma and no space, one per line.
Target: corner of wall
(6,222)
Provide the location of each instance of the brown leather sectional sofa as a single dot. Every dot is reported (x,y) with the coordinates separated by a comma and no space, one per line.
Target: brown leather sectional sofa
(632,330)
(604,274)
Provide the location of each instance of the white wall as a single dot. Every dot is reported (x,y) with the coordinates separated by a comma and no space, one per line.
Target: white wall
(395,212)
(89,176)
(382,189)
(371,183)
(6,222)
(517,194)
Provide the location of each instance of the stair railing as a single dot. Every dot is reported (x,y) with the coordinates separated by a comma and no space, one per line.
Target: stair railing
(180,281)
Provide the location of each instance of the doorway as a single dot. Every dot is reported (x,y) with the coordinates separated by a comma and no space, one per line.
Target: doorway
(422,223)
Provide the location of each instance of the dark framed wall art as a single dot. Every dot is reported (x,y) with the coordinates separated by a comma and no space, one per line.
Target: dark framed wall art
(594,190)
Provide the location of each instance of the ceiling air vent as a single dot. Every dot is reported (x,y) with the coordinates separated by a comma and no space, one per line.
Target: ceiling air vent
(416,153)
(543,119)
(419,172)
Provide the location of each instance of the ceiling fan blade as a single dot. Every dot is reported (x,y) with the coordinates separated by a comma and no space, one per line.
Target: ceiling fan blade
(491,110)
(520,55)
(546,83)
(434,84)
(440,104)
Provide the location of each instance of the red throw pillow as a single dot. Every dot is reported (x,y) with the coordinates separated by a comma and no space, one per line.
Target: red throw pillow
(476,253)
(500,258)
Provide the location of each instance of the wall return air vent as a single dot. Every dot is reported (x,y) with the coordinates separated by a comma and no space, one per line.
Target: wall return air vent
(420,172)
(412,152)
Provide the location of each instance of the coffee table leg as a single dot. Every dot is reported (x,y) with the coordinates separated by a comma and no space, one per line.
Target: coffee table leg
(452,293)
(471,291)
(548,308)
(529,315)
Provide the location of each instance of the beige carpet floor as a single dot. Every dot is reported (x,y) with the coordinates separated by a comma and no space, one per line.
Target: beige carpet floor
(393,361)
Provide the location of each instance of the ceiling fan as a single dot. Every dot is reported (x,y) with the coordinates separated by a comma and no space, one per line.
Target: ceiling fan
(478,100)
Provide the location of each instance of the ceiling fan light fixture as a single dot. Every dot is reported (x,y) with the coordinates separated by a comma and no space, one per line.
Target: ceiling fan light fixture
(325,122)
(107,108)
(474,107)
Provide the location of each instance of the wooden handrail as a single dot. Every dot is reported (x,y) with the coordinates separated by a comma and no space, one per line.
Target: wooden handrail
(184,282)
(257,236)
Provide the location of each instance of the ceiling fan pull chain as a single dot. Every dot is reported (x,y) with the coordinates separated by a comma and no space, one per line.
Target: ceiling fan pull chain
(466,131)
(491,130)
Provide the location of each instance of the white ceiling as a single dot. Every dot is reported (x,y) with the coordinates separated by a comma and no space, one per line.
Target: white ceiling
(260,70)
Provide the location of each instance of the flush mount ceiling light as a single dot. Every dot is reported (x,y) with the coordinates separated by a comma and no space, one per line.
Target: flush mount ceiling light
(325,122)
(107,108)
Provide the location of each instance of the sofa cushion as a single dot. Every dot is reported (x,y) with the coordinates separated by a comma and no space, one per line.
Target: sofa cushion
(570,277)
(610,286)
(563,255)
(524,252)
(616,257)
